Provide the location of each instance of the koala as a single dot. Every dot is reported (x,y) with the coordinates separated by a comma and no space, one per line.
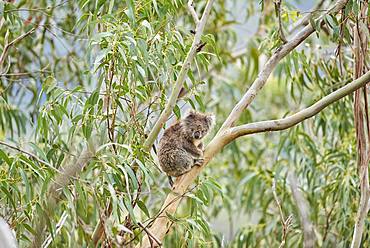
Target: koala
(180,147)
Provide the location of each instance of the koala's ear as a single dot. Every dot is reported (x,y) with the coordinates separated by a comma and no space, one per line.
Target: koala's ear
(211,118)
(190,112)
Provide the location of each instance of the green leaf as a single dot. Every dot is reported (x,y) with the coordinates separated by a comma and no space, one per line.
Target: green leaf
(111,4)
(129,208)
(133,178)
(9,197)
(177,111)
(5,157)
(143,208)
(131,11)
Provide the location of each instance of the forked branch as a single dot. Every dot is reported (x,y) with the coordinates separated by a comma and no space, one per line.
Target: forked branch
(162,223)
(223,137)
(285,123)
(278,13)
(180,78)
(270,65)
(174,96)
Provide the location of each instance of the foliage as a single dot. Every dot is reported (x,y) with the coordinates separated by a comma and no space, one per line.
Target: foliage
(100,72)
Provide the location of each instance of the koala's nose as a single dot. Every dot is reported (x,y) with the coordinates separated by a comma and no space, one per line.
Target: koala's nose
(197,135)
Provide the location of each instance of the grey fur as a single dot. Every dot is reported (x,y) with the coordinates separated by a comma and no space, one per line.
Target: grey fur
(178,151)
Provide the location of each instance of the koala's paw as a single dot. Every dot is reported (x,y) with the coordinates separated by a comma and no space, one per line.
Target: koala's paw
(200,146)
(201,153)
(198,162)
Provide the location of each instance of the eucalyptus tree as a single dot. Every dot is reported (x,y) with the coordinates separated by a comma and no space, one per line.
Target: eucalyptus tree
(87,88)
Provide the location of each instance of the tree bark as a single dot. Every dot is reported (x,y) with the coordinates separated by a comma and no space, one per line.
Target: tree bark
(362,127)
(162,224)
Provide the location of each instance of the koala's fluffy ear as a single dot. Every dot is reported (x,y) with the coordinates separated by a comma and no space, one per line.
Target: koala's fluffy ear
(211,118)
(190,112)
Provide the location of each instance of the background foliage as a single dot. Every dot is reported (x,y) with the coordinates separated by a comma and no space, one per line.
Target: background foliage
(99,72)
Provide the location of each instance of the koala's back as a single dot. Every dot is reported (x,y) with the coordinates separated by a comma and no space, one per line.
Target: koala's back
(173,159)
(171,138)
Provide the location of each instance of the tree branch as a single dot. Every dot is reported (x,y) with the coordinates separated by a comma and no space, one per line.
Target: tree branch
(62,180)
(278,13)
(192,12)
(305,20)
(13,42)
(71,171)
(151,235)
(285,123)
(303,210)
(362,126)
(262,77)
(174,95)
(171,104)
(58,227)
(181,78)
(30,154)
(162,224)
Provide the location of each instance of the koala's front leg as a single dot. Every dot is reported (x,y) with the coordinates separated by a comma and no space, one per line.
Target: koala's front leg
(201,146)
(193,150)
(199,161)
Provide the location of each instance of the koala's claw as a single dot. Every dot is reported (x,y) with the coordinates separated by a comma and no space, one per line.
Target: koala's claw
(198,162)
(170,181)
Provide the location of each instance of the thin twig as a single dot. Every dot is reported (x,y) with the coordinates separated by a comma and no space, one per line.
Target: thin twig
(362,128)
(305,20)
(278,13)
(180,78)
(270,65)
(37,9)
(192,12)
(327,224)
(277,201)
(20,74)
(110,126)
(286,223)
(58,226)
(151,235)
(9,45)
(30,154)
(161,225)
